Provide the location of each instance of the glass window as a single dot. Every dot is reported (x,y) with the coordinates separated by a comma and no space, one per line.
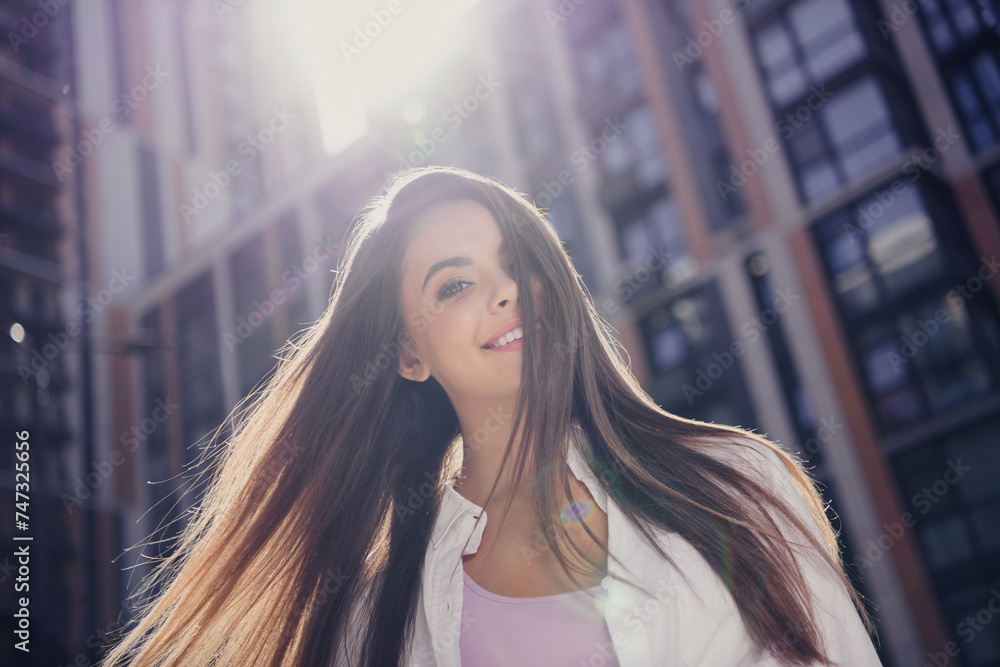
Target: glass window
(852,277)
(535,123)
(786,80)
(965,17)
(149,201)
(992,179)
(607,63)
(758,269)
(923,348)
(198,362)
(659,232)
(227,57)
(975,86)
(861,128)
(955,21)
(669,347)
(681,337)
(120,51)
(592,66)
(829,37)
(929,359)
(732,200)
(984,67)
(251,336)
(637,237)
(651,167)
(616,157)
(817,168)
(181,47)
(950,486)
(706,93)
(901,244)
(666,219)
(810,43)
(636,148)
(977,445)
(963,35)
(944,352)
(156,449)
(853,135)
(296,303)
(946,543)
(942,36)
(980,129)
(626,74)
(985,520)
(881,352)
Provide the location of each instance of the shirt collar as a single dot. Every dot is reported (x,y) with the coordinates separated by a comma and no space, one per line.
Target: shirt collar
(455,506)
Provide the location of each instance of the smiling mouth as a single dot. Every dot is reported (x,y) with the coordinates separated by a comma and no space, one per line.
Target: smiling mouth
(506,339)
(515,345)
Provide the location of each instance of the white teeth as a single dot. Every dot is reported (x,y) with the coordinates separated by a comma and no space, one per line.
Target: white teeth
(508,337)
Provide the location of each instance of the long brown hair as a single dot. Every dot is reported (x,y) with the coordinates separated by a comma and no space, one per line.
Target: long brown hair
(271,573)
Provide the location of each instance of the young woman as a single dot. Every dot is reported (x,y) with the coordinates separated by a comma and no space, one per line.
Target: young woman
(454,465)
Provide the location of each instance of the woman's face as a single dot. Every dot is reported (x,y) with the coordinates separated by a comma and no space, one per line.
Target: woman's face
(457,295)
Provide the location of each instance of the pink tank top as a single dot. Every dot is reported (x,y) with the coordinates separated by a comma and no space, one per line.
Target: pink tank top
(565,630)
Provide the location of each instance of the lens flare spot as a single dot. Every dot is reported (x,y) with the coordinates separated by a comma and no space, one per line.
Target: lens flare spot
(568,513)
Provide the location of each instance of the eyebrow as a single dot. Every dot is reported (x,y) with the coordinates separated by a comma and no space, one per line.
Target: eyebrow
(451,261)
(456,261)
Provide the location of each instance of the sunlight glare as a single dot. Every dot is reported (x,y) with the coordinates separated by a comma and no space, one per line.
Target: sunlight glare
(362,56)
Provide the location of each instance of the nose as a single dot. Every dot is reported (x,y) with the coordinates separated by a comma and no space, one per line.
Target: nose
(505,291)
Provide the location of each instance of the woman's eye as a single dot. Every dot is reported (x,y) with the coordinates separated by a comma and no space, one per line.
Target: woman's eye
(450,288)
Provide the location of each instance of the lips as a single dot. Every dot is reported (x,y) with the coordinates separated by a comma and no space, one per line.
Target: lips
(503,331)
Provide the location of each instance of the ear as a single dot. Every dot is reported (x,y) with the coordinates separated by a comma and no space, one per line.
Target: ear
(410,366)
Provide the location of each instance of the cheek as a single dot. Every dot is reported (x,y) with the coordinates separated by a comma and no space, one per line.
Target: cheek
(449,330)
(462,328)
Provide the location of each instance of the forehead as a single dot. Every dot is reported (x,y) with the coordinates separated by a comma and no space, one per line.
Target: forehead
(448,229)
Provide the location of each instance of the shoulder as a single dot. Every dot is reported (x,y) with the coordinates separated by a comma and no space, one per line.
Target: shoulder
(842,629)
(778,471)
(755,452)
(755,456)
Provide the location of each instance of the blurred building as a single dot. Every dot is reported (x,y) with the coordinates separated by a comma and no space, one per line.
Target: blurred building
(55,554)
(787,210)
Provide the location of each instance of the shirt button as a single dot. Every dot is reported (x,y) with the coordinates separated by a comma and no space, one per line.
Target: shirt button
(606,582)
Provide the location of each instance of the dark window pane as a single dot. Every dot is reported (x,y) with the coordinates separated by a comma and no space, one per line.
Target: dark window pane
(902,244)
(946,543)
(942,36)
(852,278)
(149,200)
(980,130)
(923,346)
(829,36)
(813,41)
(198,361)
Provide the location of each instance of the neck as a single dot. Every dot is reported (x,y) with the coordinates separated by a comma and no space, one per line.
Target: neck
(485,431)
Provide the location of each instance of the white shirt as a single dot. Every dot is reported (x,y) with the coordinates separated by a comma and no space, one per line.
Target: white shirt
(680,625)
